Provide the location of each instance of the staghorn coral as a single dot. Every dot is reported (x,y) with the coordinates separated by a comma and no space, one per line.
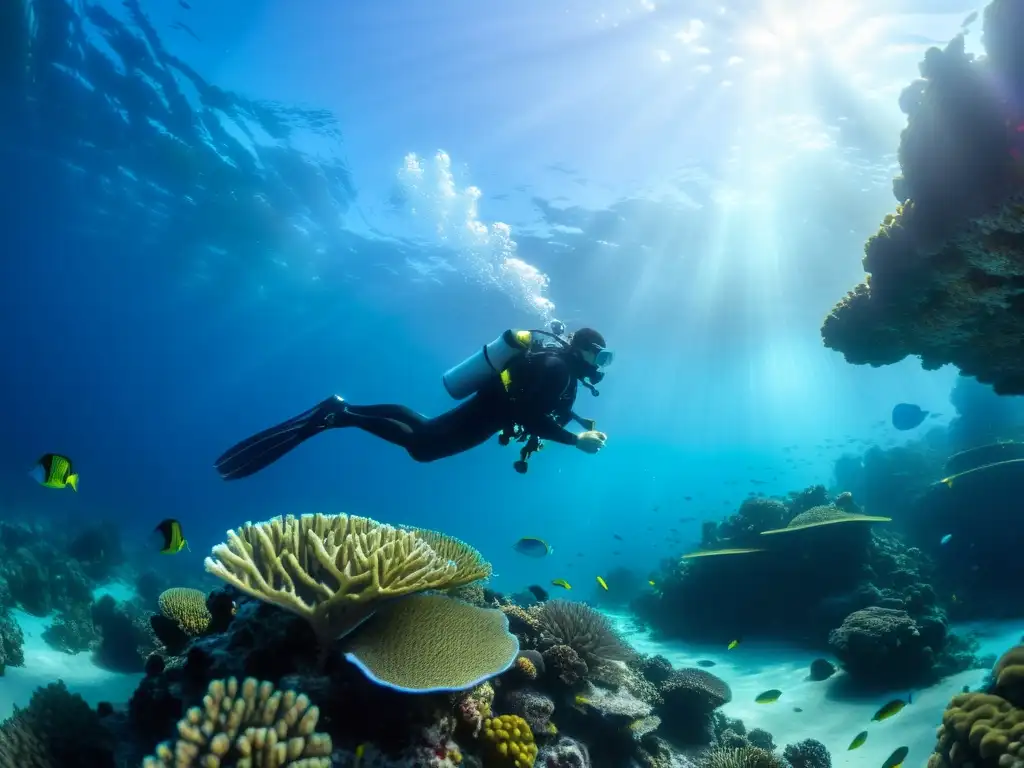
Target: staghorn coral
(432,643)
(57,730)
(187,608)
(334,570)
(583,629)
(509,742)
(247,725)
(807,754)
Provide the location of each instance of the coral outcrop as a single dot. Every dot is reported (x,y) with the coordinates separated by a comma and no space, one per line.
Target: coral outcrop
(986,729)
(946,270)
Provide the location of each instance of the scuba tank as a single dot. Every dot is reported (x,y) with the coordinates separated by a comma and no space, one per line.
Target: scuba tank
(471,374)
(467,377)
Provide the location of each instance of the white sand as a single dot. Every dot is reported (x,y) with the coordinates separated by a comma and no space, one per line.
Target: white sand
(116,589)
(829,715)
(45,665)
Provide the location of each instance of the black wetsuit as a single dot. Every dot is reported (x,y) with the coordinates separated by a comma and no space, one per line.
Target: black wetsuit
(539,399)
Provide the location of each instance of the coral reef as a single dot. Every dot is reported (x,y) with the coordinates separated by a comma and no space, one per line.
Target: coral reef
(986,729)
(581,628)
(11,642)
(125,637)
(945,270)
(740,757)
(56,729)
(807,754)
(333,570)
(247,724)
(426,643)
(883,646)
(509,742)
(690,698)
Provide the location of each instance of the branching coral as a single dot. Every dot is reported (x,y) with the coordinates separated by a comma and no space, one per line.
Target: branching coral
(583,629)
(247,725)
(334,570)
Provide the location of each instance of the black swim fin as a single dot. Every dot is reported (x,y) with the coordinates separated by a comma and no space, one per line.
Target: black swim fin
(261,450)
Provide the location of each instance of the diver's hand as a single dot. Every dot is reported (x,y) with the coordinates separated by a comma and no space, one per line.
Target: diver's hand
(590,441)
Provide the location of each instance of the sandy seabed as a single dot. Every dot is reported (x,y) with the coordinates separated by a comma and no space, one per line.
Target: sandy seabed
(828,713)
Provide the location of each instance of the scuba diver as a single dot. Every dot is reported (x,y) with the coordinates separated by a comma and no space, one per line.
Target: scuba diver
(521,386)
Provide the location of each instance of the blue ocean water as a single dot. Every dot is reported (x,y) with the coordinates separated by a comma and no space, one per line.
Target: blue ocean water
(215,215)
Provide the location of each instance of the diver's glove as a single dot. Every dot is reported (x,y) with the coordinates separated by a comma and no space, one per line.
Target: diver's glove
(591,441)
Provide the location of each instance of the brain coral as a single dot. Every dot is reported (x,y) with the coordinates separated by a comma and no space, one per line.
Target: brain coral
(186,607)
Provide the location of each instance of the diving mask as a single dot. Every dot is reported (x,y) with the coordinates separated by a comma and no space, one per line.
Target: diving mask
(603,357)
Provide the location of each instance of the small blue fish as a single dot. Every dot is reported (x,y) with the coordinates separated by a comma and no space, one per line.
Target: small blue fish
(532,547)
(945,539)
(907,416)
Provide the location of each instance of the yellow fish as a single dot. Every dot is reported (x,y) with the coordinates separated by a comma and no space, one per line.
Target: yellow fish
(858,740)
(947,481)
(651,582)
(732,645)
(768,697)
(55,471)
(895,760)
(169,537)
(953,598)
(360,751)
(561,583)
(601,581)
(894,707)
(581,700)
